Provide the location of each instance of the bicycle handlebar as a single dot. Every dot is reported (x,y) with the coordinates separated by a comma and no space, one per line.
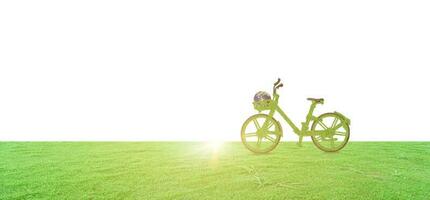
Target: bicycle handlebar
(276,85)
(277,82)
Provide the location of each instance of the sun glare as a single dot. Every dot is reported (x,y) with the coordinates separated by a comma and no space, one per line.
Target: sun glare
(215,146)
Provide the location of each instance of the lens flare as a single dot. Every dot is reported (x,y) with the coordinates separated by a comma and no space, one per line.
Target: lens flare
(215,146)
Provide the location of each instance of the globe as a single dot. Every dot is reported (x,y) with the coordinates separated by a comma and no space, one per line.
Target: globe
(261,95)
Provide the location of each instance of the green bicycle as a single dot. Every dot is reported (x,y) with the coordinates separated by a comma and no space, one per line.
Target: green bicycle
(261,133)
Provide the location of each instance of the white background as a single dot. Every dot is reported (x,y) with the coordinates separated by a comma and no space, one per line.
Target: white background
(188,70)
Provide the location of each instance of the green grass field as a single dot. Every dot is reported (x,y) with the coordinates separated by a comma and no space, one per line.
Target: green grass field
(175,170)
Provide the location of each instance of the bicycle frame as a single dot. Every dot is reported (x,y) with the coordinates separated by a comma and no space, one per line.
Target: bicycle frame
(304,130)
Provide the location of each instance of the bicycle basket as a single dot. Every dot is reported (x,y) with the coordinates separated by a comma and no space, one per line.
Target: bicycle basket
(262,105)
(262,101)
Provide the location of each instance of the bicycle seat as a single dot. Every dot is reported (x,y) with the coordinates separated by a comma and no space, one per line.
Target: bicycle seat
(321,100)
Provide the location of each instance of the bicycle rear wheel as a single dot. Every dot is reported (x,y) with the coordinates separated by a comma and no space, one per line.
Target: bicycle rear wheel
(339,129)
(261,133)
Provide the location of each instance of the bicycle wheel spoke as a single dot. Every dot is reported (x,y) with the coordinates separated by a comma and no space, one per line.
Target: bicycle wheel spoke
(258,141)
(257,125)
(322,124)
(273,132)
(338,126)
(269,138)
(270,124)
(250,134)
(340,133)
(334,122)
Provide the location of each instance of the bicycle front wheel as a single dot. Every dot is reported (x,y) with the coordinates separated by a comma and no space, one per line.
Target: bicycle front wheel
(261,133)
